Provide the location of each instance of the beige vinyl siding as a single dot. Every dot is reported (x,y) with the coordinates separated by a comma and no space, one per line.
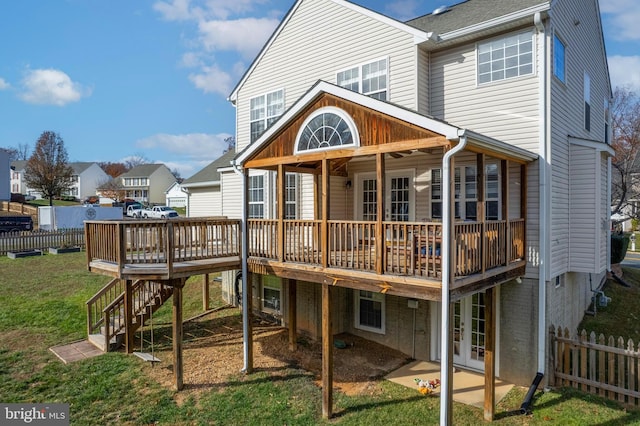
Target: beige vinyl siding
(422,61)
(205,202)
(307,196)
(605,212)
(489,108)
(231,185)
(573,185)
(585,172)
(534,257)
(320,39)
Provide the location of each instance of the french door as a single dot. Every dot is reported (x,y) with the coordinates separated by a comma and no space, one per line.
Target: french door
(469,332)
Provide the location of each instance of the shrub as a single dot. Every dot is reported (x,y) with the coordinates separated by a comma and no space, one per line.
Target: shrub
(619,245)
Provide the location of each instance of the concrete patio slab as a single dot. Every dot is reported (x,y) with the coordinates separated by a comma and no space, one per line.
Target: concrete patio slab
(468,386)
(75,351)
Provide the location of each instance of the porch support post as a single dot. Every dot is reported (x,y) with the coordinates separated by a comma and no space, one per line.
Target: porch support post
(205,293)
(280,205)
(481,213)
(292,314)
(327,353)
(325,214)
(489,355)
(504,166)
(523,201)
(128,317)
(380,243)
(247,297)
(177,332)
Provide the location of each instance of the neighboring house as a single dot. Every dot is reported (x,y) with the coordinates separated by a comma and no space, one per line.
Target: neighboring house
(5,179)
(175,196)
(85,180)
(386,169)
(147,183)
(203,188)
(18,185)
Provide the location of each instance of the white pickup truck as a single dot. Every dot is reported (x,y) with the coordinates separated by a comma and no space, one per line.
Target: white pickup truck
(159,212)
(134,210)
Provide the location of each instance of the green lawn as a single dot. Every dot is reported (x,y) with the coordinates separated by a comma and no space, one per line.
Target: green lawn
(43,304)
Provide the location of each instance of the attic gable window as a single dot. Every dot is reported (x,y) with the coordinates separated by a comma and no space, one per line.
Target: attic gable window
(505,57)
(327,128)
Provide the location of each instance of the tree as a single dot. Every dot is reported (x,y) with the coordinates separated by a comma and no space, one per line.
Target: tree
(625,181)
(136,160)
(47,170)
(112,188)
(113,169)
(20,152)
(231,143)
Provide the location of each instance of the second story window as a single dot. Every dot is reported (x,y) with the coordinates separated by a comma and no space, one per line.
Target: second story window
(558,59)
(291,196)
(505,57)
(256,197)
(265,109)
(371,79)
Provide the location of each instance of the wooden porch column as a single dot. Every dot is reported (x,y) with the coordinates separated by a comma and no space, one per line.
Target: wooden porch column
(177,332)
(324,244)
(504,168)
(380,238)
(327,353)
(128,317)
(205,293)
(481,213)
(292,314)
(247,283)
(489,355)
(523,201)
(280,197)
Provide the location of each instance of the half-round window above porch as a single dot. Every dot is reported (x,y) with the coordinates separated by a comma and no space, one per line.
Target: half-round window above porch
(327,128)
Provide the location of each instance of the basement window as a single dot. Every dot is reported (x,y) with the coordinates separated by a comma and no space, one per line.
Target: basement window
(370,311)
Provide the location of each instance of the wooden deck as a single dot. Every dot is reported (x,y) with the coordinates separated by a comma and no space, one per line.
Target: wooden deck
(407,261)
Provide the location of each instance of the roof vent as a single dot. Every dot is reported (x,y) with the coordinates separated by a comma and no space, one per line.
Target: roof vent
(440,10)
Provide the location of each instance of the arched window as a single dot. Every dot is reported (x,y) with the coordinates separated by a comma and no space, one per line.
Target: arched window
(327,128)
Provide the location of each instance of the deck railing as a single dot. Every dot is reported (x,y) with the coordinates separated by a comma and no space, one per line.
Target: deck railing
(409,248)
(161,241)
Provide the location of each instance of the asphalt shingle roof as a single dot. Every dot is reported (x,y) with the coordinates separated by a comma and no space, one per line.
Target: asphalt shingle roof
(210,173)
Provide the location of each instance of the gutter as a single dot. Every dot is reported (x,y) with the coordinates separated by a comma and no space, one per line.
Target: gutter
(544,200)
(447,234)
(246,303)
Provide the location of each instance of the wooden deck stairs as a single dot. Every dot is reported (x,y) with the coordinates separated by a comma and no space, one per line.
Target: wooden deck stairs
(106,310)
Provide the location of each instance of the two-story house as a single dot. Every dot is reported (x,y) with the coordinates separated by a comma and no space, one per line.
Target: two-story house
(18,184)
(86,178)
(440,186)
(147,183)
(203,188)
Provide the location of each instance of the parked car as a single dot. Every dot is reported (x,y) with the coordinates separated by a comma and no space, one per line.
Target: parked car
(29,197)
(134,210)
(15,223)
(159,212)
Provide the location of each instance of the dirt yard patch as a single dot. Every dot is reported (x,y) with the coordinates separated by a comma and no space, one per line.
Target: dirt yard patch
(213,353)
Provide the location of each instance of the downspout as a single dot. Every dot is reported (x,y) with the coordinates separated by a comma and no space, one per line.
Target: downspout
(544,151)
(447,234)
(244,243)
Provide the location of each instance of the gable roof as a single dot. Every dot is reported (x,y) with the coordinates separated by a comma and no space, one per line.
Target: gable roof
(210,175)
(416,32)
(80,166)
(143,170)
(448,131)
(19,165)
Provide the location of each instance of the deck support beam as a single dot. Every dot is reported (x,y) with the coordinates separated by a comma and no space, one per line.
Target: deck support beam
(489,355)
(292,314)
(327,353)
(128,317)
(177,285)
(205,293)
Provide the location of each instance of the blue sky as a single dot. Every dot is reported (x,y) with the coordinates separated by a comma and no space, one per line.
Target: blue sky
(120,78)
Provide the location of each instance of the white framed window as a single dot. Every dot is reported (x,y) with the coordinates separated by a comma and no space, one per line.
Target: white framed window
(256,197)
(371,79)
(587,102)
(327,128)
(264,110)
(271,297)
(369,311)
(559,66)
(505,57)
(291,196)
(466,193)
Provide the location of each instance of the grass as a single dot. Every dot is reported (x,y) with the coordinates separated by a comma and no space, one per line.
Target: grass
(42,304)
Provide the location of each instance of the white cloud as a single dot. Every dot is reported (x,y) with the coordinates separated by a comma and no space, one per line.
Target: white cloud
(232,34)
(51,87)
(3,84)
(625,71)
(212,79)
(404,9)
(622,17)
(189,146)
(175,10)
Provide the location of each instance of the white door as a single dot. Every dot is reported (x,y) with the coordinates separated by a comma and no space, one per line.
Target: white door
(399,196)
(469,332)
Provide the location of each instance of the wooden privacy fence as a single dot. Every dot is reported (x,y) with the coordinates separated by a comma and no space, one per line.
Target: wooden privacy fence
(40,240)
(606,367)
